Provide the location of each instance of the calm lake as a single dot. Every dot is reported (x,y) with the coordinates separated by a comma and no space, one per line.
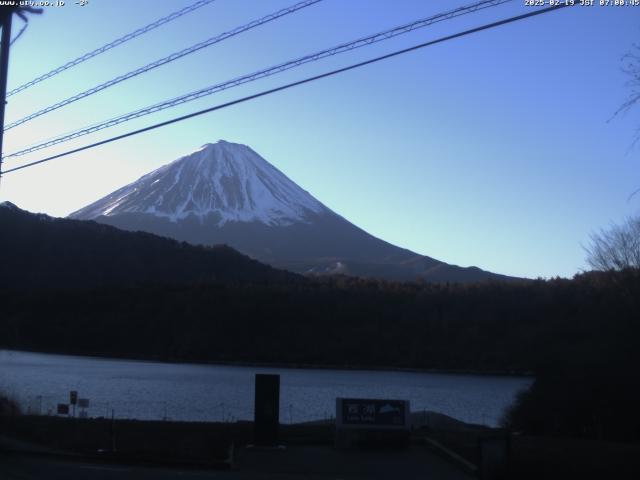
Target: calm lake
(152,390)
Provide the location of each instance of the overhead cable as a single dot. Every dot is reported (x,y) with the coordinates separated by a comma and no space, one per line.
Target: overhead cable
(110,45)
(295,84)
(342,48)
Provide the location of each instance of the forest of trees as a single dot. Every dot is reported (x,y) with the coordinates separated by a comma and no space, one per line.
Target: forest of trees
(339,321)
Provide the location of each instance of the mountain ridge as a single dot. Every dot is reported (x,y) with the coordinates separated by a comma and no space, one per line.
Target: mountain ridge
(226,193)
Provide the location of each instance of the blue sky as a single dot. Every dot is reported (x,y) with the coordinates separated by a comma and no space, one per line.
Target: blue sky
(492,150)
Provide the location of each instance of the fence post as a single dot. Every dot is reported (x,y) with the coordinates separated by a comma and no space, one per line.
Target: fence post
(113,431)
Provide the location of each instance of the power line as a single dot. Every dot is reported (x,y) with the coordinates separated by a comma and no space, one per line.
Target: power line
(168,59)
(344,47)
(279,68)
(297,83)
(113,44)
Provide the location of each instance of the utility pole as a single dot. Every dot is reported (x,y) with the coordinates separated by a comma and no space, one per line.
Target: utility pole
(7,15)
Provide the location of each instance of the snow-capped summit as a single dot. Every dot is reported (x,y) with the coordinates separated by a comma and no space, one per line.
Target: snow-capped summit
(226,181)
(227,193)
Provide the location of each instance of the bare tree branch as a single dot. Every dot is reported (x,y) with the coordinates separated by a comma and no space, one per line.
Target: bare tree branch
(616,248)
(631,67)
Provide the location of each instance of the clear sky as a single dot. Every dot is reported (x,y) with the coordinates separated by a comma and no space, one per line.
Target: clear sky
(492,150)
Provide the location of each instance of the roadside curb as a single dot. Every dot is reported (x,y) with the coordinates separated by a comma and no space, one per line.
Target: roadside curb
(449,454)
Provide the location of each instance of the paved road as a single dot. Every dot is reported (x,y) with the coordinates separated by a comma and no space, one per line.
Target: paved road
(32,467)
(312,463)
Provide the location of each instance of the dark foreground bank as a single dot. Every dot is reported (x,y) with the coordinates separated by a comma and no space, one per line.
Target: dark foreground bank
(439,446)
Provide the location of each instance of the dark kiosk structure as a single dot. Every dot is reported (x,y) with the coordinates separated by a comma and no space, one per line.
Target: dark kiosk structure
(266,410)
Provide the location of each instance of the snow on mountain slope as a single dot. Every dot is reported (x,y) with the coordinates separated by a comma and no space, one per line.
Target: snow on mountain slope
(225,180)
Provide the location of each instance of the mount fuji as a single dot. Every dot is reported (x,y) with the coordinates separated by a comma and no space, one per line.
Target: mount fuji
(225,193)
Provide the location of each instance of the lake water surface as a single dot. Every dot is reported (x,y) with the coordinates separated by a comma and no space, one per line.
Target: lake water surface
(153,390)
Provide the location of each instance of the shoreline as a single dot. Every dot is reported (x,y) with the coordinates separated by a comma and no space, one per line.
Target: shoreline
(297,366)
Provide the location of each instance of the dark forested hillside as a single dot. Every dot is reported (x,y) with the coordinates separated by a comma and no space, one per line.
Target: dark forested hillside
(488,327)
(39,251)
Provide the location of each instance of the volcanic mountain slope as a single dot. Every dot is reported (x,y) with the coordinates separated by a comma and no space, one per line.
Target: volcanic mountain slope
(225,193)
